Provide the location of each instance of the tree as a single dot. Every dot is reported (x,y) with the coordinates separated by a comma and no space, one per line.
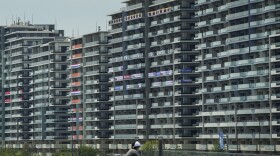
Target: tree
(63,152)
(86,151)
(216,146)
(150,145)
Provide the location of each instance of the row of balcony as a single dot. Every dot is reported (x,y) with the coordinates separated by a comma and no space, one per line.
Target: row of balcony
(234,88)
(166,20)
(127,57)
(240,26)
(164,32)
(127,97)
(235,75)
(127,77)
(244,111)
(236,99)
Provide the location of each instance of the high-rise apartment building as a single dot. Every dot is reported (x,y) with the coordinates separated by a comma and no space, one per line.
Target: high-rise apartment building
(18,117)
(90,108)
(153,73)
(239,73)
(2,48)
(49,92)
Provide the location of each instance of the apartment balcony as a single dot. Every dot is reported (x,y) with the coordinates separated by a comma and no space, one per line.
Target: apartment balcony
(237,15)
(216,66)
(40,72)
(275,96)
(260,35)
(89,73)
(93,43)
(40,63)
(210,78)
(16,69)
(116,98)
(163,136)
(76,56)
(125,136)
(198,36)
(216,43)
(92,63)
(210,10)
(136,26)
(124,117)
(237,39)
(41,54)
(275,84)
(202,23)
(247,86)
(77,46)
(265,21)
(236,3)
(16,54)
(135,46)
(233,52)
(124,127)
(247,62)
(160,94)
(275,45)
(244,111)
(91,53)
(200,2)
(75,66)
(157,116)
(117,30)
(264,9)
(115,69)
(156,2)
(135,86)
(136,66)
(125,107)
(116,40)
(217,20)
(76,101)
(162,63)
(116,50)
(202,46)
(16,62)
(244,74)
(74,84)
(237,27)
(41,88)
(132,37)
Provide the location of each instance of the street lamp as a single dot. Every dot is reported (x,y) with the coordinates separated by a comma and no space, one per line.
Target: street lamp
(160,148)
(258,148)
(236,135)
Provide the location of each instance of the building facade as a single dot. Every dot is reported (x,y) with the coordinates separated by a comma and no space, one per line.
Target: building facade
(2,111)
(18,117)
(153,73)
(90,108)
(239,73)
(49,92)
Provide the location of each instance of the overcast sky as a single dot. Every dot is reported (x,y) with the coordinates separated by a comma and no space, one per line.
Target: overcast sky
(78,15)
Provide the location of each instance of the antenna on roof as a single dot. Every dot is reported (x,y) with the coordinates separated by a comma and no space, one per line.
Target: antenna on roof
(32,19)
(6,21)
(24,17)
(73,32)
(96,26)
(55,22)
